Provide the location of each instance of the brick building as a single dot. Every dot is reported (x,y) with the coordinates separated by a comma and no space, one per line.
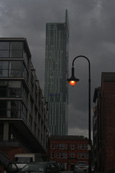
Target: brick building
(23,110)
(68,150)
(104,124)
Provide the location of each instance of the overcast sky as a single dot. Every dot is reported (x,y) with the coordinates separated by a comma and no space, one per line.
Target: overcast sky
(92,33)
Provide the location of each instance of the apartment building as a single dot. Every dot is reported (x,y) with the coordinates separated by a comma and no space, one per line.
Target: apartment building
(23,109)
(104,124)
(67,151)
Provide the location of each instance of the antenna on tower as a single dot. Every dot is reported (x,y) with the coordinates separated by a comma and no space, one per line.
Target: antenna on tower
(67,21)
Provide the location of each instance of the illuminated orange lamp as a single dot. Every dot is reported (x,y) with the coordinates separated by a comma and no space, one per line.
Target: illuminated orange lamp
(72,80)
(72,83)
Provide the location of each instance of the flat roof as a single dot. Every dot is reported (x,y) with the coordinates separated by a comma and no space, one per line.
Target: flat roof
(68,137)
(108,76)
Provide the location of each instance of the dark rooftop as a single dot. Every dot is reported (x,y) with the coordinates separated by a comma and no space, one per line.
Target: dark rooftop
(68,137)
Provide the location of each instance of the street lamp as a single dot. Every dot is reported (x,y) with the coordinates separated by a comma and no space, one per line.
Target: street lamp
(73,81)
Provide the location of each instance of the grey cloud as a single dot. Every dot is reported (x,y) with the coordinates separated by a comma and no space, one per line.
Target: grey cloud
(92,30)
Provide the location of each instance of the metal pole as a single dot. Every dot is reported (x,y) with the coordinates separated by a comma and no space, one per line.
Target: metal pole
(89,105)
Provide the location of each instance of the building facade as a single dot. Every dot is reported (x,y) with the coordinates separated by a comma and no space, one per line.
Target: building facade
(104,124)
(23,110)
(67,151)
(56,72)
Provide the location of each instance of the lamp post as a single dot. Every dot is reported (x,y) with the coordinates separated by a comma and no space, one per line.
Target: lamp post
(73,81)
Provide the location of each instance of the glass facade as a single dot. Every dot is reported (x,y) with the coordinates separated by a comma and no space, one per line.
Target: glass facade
(21,98)
(13,68)
(11,49)
(56,72)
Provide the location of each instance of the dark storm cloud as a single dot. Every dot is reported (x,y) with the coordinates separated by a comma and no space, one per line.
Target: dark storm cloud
(92,27)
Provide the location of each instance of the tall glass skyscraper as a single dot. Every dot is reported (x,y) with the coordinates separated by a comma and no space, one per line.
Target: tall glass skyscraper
(56,73)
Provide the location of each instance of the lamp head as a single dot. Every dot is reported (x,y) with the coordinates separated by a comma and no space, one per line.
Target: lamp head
(72,80)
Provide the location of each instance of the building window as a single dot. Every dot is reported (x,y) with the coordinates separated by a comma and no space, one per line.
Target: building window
(82,146)
(82,155)
(61,155)
(72,146)
(14,89)
(86,155)
(53,146)
(72,155)
(16,49)
(14,109)
(58,146)
(3,68)
(52,155)
(65,155)
(87,146)
(78,155)
(4,49)
(62,146)
(3,88)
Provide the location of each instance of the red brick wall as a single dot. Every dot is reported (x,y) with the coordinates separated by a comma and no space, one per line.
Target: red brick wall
(68,151)
(108,91)
(11,151)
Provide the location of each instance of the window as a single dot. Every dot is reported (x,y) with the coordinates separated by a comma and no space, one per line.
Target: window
(4,45)
(3,88)
(58,146)
(11,49)
(62,155)
(15,108)
(62,146)
(14,89)
(16,49)
(82,155)
(87,146)
(15,68)
(3,68)
(4,49)
(65,155)
(72,146)
(72,155)
(86,155)
(3,108)
(52,155)
(53,146)
(82,146)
